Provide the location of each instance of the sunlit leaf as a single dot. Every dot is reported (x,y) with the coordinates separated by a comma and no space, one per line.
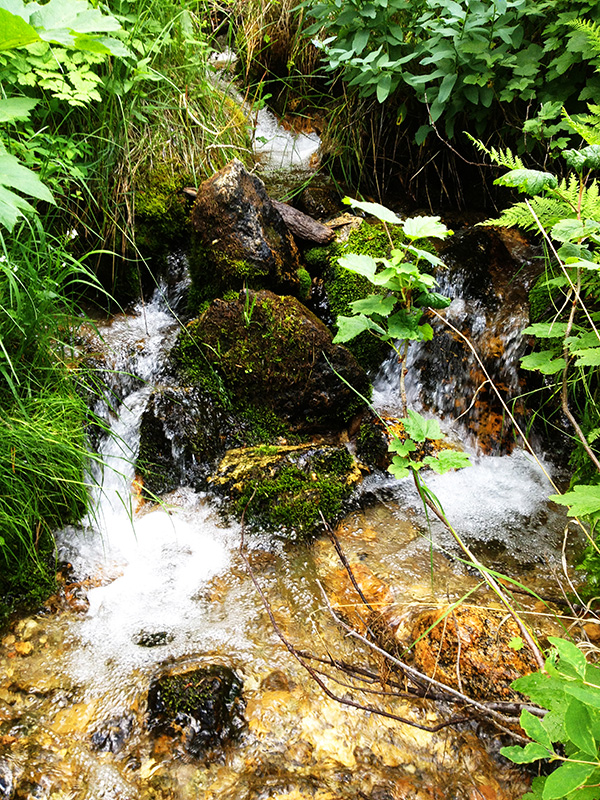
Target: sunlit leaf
(16,108)
(374,304)
(531,181)
(350,327)
(361,264)
(447,460)
(419,428)
(546,330)
(375,209)
(568,777)
(525,755)
(582,499)
(545,361)
(15,31)
(424,228)
(578,726)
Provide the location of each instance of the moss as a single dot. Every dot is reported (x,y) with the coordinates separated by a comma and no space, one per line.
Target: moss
(161,210)
(305,283)
(287,488)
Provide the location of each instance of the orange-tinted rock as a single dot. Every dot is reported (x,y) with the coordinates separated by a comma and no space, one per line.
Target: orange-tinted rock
(480,653)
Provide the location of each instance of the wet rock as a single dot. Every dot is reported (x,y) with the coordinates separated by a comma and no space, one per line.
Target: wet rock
(153,638)
(276,681)
(286,486)
(474,644)
(182,432)
(241,237)
(7,781)
(201,707)
(113,734)
(273,352)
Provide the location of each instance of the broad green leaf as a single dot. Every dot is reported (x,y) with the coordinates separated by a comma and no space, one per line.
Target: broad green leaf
(545,361)
(446,87)
(525,755)
(570,653)
(546,330)
(402,448)
(403,325)
(581,263)
(16,108)
(12,207)
(542,689)
(568,230)
(447,460)
(582,500)
(375,209)
(362,265)
(586,158)
(14,31)
(384,86)
(419,428)
(568,777)
(15,175)
(350,327)
(374,304)
(587,694)
(77,16)
(398,468)
(424,228)
(432,300)
(434,260)
(578,725)
(531,181)
(534,728)
(590,357)
(516,643)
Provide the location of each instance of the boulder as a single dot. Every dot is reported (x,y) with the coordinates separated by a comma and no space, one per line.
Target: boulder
(182,433)
(286,486)
(241,237)
(201,707)
(485,660)
(273,352)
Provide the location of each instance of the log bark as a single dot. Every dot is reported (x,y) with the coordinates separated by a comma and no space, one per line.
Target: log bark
(303,226)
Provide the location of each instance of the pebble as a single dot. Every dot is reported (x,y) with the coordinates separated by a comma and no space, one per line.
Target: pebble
(24,648)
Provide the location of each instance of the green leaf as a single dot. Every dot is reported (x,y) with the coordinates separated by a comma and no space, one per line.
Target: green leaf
(375,209)
(578,725)
(12,207)
(432,300)
(350,327)
(362,265)
(14,174)
(404,325)
(534,728)
(419,428)
(14,31)
(399,467)
(586,158)
(447,460)
(570,653)
(516,643)
(582,500)
(525,755)
(546,330)
(531,181)
(402,448)
(543,689)
(590,357)
(425,227)
(374,304)
(568,777)
(16,108)
(446,87)
(545,361)
(384,86)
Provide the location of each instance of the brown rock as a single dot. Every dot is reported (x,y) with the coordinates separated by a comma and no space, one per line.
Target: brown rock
(242,236)
(480,654)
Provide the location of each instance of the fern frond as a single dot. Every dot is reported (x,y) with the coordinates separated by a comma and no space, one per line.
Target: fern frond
(587,126)
(503,158)
(591,30)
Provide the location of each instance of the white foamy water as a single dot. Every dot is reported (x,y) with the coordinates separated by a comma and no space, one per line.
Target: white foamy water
(279,148)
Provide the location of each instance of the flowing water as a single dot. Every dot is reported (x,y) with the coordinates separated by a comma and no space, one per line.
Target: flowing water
(151,586)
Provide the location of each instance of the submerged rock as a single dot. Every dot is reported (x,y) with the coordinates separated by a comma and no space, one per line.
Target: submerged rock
(272,351)
(241,236)
(202,707)
(470,649)
(287,486)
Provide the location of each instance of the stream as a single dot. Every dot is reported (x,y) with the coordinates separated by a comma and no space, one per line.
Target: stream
(155,585)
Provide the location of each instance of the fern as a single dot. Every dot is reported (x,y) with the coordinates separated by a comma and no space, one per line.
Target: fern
(586,125)
(503,158)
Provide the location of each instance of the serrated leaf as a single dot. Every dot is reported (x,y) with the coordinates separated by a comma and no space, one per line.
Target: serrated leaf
(447,460)
(15,175)
(546,330)
(542,689)
(570,653)
(402,448)
(15,31)
(525,755)
(545,361)
(16,108)
(586,158)
(424,228)
(434,260)
(375,209)
(534,728)
(578,726)
(404,325)
(350,327)
(398,468)
(374,304)
(582,500)
(531,181)
(568,777)
(516,643)
(419,428)
(361,264)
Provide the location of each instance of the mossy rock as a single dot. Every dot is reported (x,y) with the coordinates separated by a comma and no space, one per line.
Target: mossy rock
(202,707)
(272,352)
(240,237)
(286,488)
